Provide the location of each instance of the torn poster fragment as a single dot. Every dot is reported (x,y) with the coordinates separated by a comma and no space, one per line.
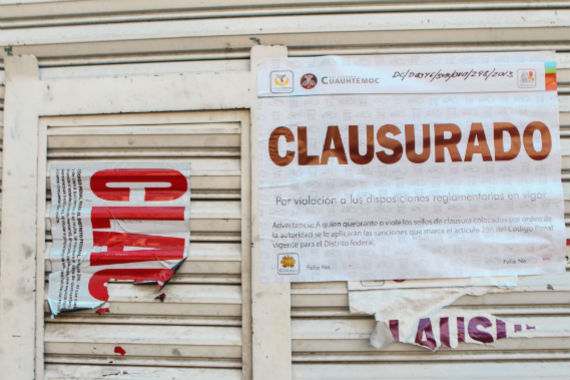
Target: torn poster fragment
(450,327)
(124,221)
(119,350)
(423,317)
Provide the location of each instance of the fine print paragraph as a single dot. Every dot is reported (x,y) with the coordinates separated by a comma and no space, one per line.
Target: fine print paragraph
(334,231)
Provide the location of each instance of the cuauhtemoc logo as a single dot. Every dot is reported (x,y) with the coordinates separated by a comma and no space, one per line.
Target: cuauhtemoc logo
(288,263)
(308,81)
(526,78)
(281,81)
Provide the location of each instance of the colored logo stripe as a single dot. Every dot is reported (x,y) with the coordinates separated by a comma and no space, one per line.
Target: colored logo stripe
(550,76)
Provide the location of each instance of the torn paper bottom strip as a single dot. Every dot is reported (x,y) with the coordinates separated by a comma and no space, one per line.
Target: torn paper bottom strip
(420,317)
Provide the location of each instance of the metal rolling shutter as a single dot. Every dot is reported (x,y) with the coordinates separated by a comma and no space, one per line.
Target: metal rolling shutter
(1,136)
(327,340)
(197,332)
(330,342)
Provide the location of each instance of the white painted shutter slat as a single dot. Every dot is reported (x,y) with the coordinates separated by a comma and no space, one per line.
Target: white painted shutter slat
(442,356)
(139,347)
(195,363)
(328,347)
(164,67)
(109,334)
(200,166)
(118,141)
(526,369)
(155,319)
(24,13)
(82,372)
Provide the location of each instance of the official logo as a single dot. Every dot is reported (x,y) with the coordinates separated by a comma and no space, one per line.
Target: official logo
(281,81)
(308,81)
(526,78)
(288,263)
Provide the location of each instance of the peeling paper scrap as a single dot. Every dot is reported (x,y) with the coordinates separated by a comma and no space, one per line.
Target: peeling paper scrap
(418,317)
(103,310)
(406,306)
(447,328)
(402,303)
(498,281)
(123,221)
(160,297)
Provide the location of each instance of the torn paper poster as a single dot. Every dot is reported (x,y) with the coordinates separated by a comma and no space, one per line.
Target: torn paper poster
(423,317)
(123,221)
(449,327)
(409,166)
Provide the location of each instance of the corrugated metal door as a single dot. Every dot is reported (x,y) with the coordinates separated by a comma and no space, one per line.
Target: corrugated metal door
(202,328)
(2,92)
(76,38)
(1,134)
(330,342)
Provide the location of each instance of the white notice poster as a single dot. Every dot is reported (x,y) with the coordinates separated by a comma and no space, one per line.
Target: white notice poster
(409,166)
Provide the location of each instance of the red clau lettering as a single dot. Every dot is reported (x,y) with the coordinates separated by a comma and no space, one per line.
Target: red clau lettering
(163,248)
(176,180)
(101,216)
(444,331)
(460,329)
(395,329)
(424,328)
(97,282)
(479,335)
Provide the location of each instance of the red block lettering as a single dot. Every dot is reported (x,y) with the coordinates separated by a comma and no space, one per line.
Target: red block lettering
(501,329)
(177,184)
(460,329)
(479,335)
(163,248)
(101,216)
(97,282)
(424,328)
(395,329)
(444,331)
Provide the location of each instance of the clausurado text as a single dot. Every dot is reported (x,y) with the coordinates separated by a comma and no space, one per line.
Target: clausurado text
(286,144)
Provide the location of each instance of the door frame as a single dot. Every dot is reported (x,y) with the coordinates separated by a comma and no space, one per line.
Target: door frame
(29,98)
